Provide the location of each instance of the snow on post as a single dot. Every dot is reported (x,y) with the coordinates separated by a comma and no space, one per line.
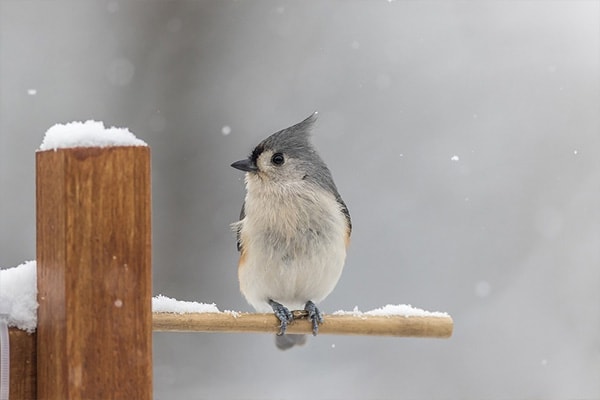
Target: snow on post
(87,134)
(18,296)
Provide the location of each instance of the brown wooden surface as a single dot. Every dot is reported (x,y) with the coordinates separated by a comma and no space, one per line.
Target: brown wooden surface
(400,326)
(22,365)
(94,273)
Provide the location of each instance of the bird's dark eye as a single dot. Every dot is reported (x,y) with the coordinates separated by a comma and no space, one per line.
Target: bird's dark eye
(277,159)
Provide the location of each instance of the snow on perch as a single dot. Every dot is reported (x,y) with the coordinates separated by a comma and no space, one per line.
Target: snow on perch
(87,134)
(404,310)
(165,304)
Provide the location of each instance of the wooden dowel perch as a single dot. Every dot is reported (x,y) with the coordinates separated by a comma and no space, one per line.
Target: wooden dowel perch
(393,325)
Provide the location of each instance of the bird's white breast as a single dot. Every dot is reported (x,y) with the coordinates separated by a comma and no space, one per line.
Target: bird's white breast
(294,245)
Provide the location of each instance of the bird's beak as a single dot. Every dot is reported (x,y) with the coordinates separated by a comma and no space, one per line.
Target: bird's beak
(245,165)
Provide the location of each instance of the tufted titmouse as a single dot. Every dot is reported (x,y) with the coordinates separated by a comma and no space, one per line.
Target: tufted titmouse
(293,231)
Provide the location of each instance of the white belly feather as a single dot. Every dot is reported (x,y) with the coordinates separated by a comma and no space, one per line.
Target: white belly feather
(294,249)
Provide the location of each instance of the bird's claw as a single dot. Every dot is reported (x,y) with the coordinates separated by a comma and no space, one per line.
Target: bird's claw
(283,314)
(314,315)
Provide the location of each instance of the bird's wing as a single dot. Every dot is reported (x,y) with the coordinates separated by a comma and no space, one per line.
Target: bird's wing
(346,213)
(239,227)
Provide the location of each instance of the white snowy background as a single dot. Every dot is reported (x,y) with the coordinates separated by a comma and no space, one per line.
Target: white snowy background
(464,137)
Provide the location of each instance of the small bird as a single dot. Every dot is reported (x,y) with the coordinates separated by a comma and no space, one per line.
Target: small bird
(293,231)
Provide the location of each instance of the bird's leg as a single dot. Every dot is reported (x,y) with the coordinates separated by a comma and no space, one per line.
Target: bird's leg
(315,316)
(283,314)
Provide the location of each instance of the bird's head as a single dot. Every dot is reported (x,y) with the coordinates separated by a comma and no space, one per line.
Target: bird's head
(285,157)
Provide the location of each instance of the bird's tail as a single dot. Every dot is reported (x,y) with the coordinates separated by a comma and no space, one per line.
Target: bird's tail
(288,341)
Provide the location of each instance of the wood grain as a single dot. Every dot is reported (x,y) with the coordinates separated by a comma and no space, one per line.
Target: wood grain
(22,364)
(94,337)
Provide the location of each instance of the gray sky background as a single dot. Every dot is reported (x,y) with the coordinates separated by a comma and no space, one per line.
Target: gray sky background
(506,238)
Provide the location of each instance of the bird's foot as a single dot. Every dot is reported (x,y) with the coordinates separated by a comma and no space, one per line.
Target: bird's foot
(314,315)
(283,314)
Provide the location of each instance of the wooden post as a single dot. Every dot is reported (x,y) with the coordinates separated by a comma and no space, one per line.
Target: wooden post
(94,335)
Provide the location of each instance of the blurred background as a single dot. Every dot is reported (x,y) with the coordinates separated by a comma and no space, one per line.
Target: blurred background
(464,137)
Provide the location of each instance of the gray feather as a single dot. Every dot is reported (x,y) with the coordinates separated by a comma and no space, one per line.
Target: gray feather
(239,228)
(288,341)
